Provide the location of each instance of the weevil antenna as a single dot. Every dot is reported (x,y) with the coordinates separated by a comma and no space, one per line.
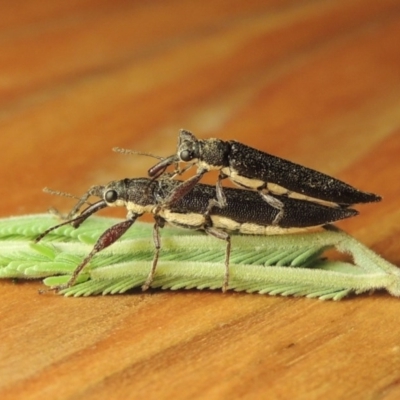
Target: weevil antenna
(136,153)
(63,194)
(93,191)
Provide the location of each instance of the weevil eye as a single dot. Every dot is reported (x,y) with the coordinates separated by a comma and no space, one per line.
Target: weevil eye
(111,196)
(186,155)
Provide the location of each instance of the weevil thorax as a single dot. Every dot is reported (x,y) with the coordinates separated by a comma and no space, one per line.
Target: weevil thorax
(136,195)
(211,154)
(214,154)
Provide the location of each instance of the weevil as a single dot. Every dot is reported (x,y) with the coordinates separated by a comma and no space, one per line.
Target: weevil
(245,212)
(253,169)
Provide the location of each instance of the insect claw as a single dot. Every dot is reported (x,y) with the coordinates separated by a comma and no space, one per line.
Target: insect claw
(278,217)
(54,289)
(147,284)
(277,204)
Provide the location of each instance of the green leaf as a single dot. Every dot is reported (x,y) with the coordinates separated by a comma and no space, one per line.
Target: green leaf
(288,265)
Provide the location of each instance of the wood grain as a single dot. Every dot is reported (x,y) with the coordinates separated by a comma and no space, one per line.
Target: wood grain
(317,82)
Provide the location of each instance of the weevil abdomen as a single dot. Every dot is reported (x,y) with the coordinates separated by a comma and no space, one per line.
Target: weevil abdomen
(247,212)
(249,167)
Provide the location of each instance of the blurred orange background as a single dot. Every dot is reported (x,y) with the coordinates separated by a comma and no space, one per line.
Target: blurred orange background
(317,82)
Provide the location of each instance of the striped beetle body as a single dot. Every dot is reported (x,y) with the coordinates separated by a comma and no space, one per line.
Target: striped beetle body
(244,212)
(252,169)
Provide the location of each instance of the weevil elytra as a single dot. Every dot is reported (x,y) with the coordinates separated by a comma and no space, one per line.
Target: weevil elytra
(245,212)
(253,169)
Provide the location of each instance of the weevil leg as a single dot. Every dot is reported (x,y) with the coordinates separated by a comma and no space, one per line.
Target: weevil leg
(274,202)
(220,191)
(221,198)
(110,236)
(220,201)
(75,210)
(177,171)
(77,221)
(93,191)
(183,189)
(159,223)
(223,236)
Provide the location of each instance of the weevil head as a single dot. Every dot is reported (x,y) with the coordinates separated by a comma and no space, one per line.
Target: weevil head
(115,193)
(188,147)
(134,194)
(207,154)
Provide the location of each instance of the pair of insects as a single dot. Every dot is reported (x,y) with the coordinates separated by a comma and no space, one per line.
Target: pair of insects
(282,197)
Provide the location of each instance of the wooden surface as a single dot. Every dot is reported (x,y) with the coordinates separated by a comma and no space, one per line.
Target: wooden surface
(317,82)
